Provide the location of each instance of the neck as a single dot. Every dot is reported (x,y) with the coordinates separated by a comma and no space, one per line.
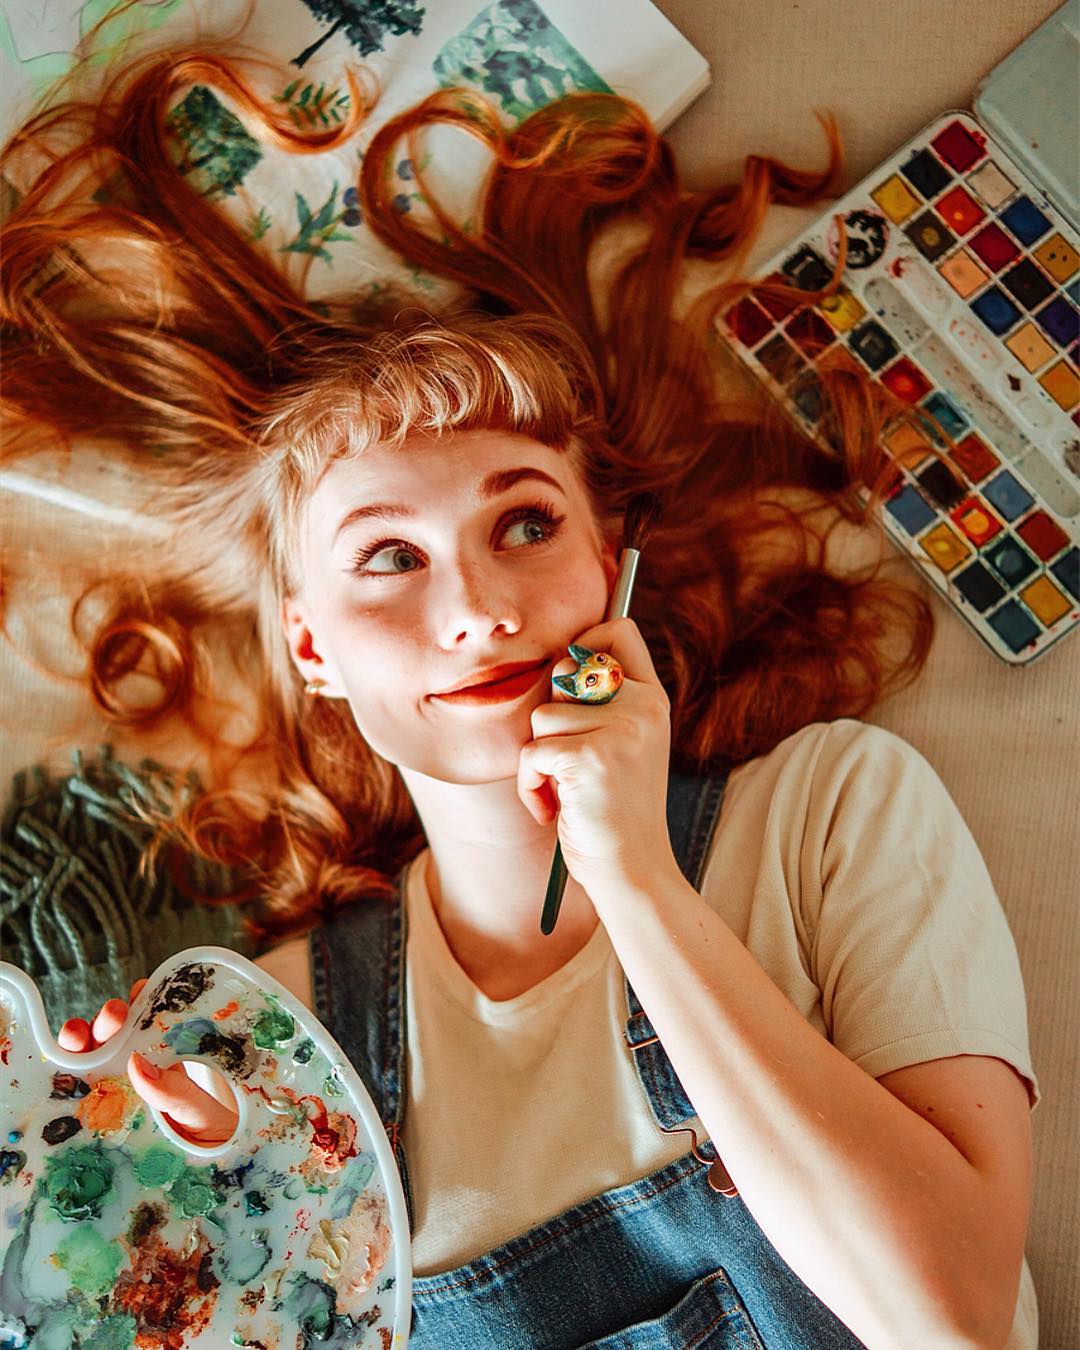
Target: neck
(487,874)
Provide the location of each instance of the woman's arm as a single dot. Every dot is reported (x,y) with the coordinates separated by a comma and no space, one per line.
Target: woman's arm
(901,1202)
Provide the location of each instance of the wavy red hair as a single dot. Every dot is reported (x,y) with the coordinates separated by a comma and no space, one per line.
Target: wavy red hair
(223,383)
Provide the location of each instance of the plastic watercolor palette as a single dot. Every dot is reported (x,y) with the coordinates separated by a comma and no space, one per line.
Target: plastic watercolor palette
(116,1232)
(961,295)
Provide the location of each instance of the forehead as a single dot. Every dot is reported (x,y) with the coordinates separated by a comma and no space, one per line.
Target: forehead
(425,473)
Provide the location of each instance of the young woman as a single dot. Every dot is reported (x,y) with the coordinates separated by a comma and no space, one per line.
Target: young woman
(778,934)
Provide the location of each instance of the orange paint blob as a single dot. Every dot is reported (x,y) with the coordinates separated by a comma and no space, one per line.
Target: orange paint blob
(106,1105)
(227,1011)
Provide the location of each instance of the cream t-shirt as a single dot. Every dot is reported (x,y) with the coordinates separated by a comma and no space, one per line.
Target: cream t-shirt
(841,862)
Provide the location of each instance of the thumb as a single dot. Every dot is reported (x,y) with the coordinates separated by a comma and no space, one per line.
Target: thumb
(191,1110)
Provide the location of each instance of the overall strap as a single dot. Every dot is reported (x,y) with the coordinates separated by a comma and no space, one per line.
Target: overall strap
(358,987)
(693,809)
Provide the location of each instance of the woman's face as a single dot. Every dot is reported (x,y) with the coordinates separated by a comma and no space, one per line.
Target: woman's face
(393,610)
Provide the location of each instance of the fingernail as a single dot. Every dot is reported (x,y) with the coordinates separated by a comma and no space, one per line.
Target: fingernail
(151,1070)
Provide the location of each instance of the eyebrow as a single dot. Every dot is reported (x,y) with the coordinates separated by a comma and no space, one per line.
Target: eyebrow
(494,485)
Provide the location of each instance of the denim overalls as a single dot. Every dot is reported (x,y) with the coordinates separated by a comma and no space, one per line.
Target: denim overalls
(665,1261)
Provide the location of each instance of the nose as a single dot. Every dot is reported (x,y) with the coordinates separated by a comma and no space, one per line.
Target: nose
(476,599)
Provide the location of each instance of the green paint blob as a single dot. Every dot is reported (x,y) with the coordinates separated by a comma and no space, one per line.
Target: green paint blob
(254,1204)
(332,1084)
(304,1051)
(78,1182)
(114,1333)
(273,1029)
(90,1261)
(192,1194)
(245,1257)
(159,1165)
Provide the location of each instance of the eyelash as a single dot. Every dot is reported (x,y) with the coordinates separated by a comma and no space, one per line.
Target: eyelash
(539,511)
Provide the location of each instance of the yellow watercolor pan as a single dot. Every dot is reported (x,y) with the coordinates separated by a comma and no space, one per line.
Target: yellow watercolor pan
(896,199)
(1062,384)
(944,548)
(1045,601)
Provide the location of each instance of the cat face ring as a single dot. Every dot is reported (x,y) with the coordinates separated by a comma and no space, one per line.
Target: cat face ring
(597,679)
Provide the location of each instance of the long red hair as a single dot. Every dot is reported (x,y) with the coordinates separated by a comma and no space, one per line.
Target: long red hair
(160,321)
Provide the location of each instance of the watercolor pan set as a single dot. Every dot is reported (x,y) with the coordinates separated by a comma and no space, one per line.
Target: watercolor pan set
(961,295)
(114,1231)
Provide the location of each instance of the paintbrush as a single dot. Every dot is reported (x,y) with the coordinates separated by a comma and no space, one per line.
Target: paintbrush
(642,513)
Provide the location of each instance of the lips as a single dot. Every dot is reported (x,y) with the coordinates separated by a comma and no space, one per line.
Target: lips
(483,679)
(509,689)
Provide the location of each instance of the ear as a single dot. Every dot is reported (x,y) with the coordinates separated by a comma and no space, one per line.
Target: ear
(304,649)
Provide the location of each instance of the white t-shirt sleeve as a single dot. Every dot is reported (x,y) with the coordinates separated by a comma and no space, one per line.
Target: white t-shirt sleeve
(908,941)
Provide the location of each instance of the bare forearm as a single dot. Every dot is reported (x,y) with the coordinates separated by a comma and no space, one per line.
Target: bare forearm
(869,1204)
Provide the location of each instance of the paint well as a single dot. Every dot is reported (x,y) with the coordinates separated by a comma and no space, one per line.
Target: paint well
(996,310)
(896,199)
(1027,283)
(906,380)
(930,235)
(1008,497)
(959,210)
(925,172)
(1045,601)
(1043,536)
(1025,220)
(978,585)
(1014,625)
(959,147)
(1029,347)
(991,184)
(842,310)
(944,548)
(977,521)
(1060,320)
(1059,258)
(994,247)
(1062,384)
(963,273)
(974,457)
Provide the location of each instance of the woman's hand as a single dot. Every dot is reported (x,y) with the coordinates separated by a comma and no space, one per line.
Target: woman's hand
(603,768)
(197,1116)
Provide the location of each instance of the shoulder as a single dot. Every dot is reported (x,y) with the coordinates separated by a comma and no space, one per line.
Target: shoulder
(290,965)
(826,764)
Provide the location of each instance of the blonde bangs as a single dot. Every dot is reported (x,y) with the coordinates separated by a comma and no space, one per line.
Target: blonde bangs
(351,390)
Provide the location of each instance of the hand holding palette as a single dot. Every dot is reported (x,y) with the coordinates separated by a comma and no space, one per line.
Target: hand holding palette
(115,1231)
(960,294)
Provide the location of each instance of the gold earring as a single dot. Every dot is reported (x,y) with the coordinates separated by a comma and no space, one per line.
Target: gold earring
(315,686)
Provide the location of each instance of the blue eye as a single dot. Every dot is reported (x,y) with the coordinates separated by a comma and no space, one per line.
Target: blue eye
(538,513)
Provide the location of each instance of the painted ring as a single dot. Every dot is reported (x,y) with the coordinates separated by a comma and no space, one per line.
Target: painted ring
(598,677)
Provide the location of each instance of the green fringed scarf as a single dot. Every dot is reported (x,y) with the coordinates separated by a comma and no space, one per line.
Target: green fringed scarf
(74,912)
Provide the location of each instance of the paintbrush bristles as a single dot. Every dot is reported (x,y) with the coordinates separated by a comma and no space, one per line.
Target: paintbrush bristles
(640,519)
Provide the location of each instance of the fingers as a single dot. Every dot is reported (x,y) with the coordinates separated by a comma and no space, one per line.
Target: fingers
(74,1036)
(78,1037)
(109,1020)
(195,1114)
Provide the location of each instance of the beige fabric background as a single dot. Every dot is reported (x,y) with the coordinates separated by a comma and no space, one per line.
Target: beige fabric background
(1005,741)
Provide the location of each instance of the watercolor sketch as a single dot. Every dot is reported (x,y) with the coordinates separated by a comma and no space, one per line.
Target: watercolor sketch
(513,52)
(114,1234)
